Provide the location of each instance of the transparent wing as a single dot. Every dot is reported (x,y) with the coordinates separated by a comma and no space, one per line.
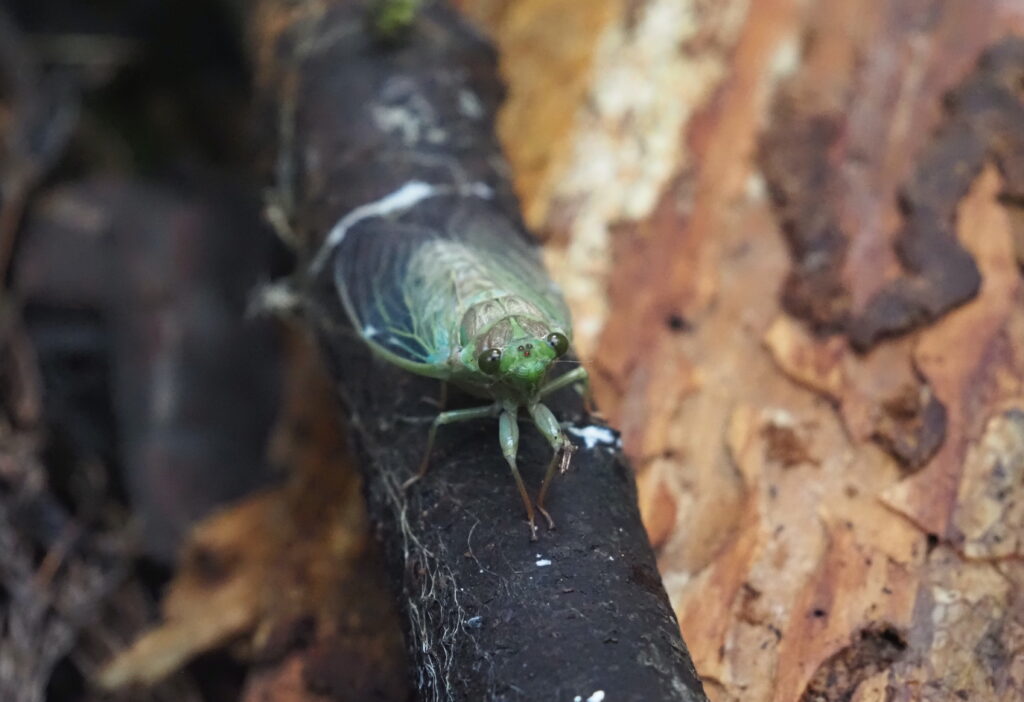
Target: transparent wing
(406,280)
(371,270)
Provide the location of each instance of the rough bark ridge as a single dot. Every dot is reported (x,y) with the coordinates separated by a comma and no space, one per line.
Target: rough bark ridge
(764,165)
(490,615)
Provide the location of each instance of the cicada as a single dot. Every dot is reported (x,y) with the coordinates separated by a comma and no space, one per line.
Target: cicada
(436,282)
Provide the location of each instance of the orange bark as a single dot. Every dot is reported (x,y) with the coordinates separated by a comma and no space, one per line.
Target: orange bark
(831,524)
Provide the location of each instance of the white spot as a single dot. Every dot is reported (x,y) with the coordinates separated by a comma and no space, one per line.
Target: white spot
(543,562)
(405,113)
(399,120)
(577,698)
(401,200)
(595,435)
(755,188)
(469,105)
(598,696)
(276,298)
(779,417)
(786,59)
(370,331)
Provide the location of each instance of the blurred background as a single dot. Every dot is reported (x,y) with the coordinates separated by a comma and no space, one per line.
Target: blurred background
(791,233)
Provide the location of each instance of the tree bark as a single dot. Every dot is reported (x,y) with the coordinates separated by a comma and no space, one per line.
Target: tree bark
(791,234)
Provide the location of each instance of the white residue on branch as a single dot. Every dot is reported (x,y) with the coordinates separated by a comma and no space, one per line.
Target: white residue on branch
(595,435)
(401,200)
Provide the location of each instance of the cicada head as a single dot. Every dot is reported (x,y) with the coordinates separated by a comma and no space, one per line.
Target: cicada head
(523,364)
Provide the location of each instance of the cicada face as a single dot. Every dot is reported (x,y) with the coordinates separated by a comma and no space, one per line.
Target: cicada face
(523,364)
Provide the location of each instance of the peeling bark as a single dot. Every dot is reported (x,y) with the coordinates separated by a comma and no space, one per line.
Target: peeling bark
(817,446)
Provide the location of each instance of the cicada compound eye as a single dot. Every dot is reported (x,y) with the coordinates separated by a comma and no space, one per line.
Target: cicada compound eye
(558,341)
(490,361)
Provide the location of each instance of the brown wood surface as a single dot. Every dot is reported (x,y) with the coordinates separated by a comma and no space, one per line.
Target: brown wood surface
(791,234)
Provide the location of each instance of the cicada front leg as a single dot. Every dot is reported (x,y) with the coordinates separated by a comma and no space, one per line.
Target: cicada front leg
(579,376)
(576,375)
(508,436)
(562,447)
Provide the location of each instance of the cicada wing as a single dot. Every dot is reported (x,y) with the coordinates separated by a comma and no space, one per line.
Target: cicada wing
(382,290)
(406,280)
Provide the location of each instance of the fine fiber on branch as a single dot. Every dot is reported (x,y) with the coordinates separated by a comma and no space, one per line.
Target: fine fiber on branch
(370,131)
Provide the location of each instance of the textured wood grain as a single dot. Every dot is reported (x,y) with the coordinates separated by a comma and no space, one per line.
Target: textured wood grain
(830,524)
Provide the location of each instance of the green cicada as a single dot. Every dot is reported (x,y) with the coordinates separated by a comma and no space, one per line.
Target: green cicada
(436,283)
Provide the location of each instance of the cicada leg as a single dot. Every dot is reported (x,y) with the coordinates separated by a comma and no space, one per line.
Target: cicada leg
(508,436)
(563,449)
(576,375)
(450,417)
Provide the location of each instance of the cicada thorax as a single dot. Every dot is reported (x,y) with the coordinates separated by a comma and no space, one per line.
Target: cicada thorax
(495,323)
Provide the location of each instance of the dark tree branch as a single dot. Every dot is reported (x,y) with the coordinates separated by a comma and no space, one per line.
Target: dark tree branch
(490,615)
